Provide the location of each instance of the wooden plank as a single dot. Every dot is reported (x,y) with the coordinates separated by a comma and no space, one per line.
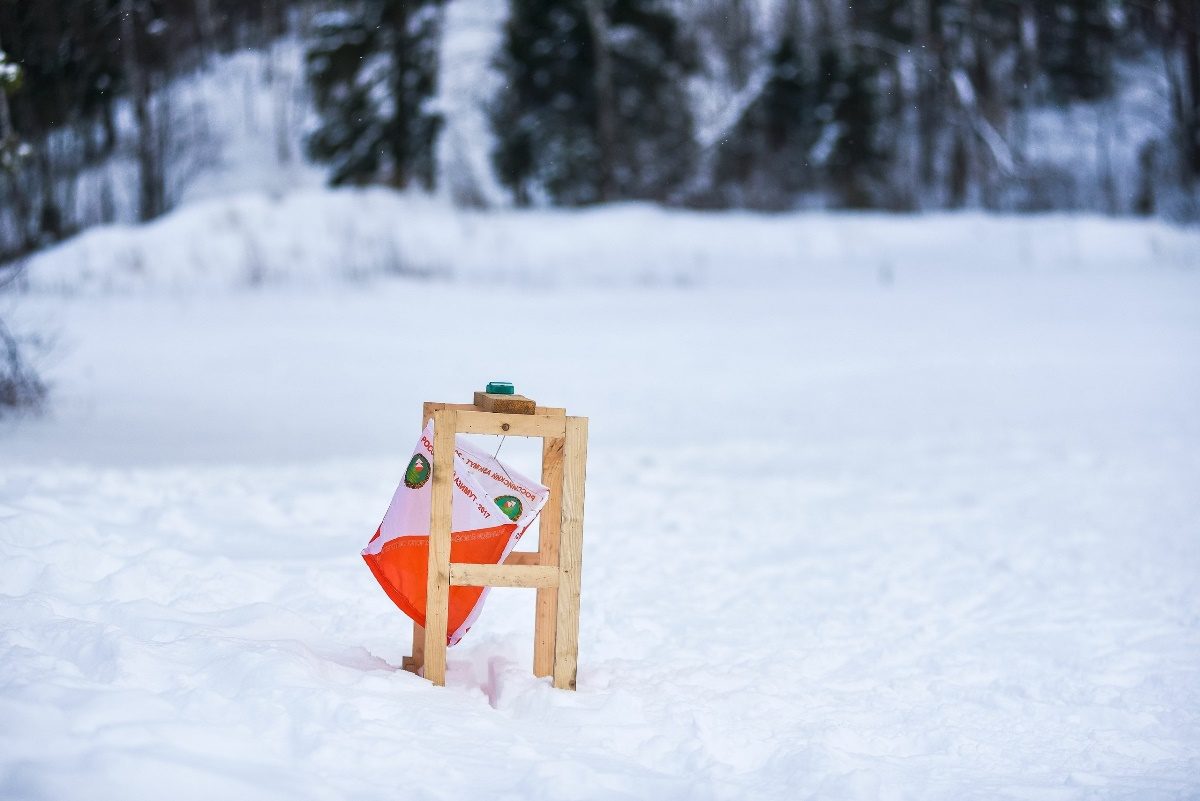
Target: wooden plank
(550,523)
(414,663)
(472,575)
(570,554)
(512,425)
(506,404)
(430,407)
(437,593)
(523,558)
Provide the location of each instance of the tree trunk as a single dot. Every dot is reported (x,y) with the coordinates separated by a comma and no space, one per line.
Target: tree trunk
(960,166)
(150,192)
(208,29)
(927,105)
(401,69)
(1188,20)
(5,118)
(21,213)
(606,122)
(1026,72)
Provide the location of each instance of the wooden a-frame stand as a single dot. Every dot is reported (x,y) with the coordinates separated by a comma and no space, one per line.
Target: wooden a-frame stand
(554,569)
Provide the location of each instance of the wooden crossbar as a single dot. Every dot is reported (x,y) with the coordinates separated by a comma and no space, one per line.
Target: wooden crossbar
(432,406)
(512,425)
(468,575)
(554,570)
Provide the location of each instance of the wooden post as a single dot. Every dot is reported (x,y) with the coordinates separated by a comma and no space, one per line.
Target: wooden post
(414,663)
(570,554)
(437,594)
(546,615)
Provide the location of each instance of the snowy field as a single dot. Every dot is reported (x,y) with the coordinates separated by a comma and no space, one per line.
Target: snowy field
(878,508)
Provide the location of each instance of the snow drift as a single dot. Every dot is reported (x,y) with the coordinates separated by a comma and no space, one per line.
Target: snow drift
(330,236)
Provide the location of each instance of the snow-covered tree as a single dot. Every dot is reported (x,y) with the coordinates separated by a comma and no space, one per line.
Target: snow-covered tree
(373,69)
(594,104)
(19,384)
(764,162)
(1076,47)
(814,127)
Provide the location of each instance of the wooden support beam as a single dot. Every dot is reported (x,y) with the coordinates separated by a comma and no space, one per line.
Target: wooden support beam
(430,407)
(570,554)
(437,593)
(434,406)
(511,425)
(414,663)
(524,558)
(550,524)
(471,575)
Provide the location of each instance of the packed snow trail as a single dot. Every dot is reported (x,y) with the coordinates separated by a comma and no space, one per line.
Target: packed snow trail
(929,537)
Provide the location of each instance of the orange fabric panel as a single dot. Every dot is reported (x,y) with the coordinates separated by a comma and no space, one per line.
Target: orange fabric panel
(402,569)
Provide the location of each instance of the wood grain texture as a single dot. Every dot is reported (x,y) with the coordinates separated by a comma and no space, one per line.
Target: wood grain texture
(437,593)
(432,406)
(550,524)
(471,575)
(511,425)
(414,663)
(508,404)
(570,554)
(523,558)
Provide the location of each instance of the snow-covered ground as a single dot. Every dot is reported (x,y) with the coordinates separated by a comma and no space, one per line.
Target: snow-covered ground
(878,508)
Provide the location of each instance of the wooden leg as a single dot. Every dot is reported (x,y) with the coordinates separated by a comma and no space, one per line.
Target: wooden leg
(570,555)
(414,663)
(546,615)
(437,594)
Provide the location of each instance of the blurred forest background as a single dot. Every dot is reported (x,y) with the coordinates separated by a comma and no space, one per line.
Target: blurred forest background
(1008,105)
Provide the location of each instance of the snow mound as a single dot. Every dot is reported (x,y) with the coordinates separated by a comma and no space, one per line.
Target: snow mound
(327,236)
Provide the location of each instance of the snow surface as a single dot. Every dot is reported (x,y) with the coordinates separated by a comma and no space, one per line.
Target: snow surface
(861,524)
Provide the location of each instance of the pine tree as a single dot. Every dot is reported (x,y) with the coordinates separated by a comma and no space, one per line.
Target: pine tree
(544,118)
(765,162)
(373,69)
(813,127)
(1077,39)
(594,106)
(19,384)
(856,156)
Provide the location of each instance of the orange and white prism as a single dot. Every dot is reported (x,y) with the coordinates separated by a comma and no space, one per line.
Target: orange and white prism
(493,505)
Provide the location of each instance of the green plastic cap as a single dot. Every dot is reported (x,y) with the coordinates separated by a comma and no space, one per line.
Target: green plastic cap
(500,388)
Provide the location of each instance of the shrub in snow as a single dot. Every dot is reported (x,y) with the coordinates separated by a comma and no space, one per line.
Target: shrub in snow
(20,386)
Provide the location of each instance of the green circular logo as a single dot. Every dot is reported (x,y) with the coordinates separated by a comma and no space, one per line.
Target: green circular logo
(417,473)
(510,505)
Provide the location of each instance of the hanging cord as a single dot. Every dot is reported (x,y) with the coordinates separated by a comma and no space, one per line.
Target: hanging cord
(496,456)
